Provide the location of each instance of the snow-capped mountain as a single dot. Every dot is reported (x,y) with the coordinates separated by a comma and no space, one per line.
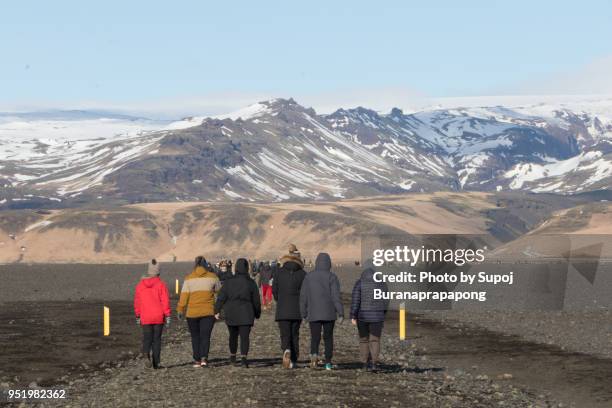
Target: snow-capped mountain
(280,150)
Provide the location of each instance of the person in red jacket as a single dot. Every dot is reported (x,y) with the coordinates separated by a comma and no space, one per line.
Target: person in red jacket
(152,308)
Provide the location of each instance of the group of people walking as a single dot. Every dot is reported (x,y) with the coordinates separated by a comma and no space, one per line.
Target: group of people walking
(314,297)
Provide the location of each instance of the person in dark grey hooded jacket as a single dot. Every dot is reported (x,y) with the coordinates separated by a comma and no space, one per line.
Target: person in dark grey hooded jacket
(321,305)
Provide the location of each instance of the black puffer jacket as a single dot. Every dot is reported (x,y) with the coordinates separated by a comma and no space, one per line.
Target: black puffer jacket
(286,286)
(239,296)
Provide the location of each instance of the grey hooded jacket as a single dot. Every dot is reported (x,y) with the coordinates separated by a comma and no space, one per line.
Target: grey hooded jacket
(320,295)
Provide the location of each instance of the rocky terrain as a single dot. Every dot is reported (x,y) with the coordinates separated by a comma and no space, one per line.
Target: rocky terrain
(404,379)
(446,361)
(584,331)
(278,150)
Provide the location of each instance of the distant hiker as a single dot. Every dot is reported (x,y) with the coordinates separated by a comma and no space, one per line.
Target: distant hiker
(276,267)
(265,282)
(286,286)
(152,309)
(198,300)
(254,265)
(230,270)
(254,268)
(225,267)
(321,305)
(257,273)
(368,314)
(239,297)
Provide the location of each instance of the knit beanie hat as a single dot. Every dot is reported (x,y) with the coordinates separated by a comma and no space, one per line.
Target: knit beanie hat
(152,269)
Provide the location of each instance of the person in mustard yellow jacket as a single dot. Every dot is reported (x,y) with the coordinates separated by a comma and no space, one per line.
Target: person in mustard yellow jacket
(197,303)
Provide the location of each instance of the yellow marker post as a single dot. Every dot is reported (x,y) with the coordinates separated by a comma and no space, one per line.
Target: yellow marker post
(106,321)
(176,287)
(402,321)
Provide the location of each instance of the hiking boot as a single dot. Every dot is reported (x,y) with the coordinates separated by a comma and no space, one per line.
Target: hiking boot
(287,359)
(314,361)
(244,363)
(204,363)
(233,359)
(375,368)
(148,363)
(329,366)
(197,364)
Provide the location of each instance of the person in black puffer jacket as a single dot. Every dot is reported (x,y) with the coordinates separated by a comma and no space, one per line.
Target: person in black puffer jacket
(286,286)
(239,297)
(368,314)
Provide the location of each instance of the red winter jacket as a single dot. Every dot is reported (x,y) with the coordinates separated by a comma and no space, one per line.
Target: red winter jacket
(152,301)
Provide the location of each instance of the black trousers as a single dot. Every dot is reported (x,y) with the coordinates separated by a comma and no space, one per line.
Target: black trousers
(151,342)
(328,338)
(366,329)
(234,332)
(201,329)
(290,337)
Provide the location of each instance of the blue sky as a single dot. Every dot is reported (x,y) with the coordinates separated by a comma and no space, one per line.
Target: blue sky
(155,54)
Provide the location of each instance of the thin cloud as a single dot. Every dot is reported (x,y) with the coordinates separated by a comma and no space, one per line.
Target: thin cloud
(594,78)
(166,108)
(591,80)
(382,99)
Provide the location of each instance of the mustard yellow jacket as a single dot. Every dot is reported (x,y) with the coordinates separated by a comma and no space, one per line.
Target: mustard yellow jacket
(198,293)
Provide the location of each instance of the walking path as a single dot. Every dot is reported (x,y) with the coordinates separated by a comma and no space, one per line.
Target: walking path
(406,378)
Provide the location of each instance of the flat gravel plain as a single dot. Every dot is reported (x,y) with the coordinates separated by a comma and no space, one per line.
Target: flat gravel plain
(53,339)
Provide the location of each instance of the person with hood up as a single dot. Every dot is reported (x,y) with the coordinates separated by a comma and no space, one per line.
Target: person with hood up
(286,286)
(239,297)
(368,314)
(197,302)
(152,309)
(321,305)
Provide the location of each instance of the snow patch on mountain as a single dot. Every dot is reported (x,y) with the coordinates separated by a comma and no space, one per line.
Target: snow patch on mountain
(250,112)
(592,163)
(71,155)
(36,225)
(278,150)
